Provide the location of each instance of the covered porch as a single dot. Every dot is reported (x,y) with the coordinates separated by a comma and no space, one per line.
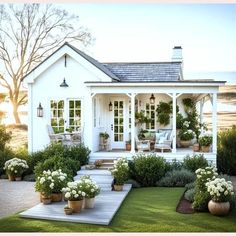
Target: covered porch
(115,105)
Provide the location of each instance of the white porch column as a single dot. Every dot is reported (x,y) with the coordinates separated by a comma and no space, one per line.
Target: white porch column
(132,123)
(214,122)
(174,122)
(201,112)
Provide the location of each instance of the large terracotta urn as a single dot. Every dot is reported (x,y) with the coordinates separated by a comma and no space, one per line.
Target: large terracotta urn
(218,208)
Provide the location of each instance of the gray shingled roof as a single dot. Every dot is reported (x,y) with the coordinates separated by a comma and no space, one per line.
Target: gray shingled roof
(157,71)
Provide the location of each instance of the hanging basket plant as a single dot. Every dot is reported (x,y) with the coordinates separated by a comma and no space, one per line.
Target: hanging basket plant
(164,110)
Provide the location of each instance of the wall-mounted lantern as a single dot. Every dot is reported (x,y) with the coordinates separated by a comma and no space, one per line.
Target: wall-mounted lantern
(110,106)
(152,99)
(64,84)
(40,110)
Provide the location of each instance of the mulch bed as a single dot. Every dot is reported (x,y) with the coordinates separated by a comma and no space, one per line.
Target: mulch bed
(184,206)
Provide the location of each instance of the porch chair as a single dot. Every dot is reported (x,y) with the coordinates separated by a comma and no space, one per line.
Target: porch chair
(142,145)
(164,140)
(54,137)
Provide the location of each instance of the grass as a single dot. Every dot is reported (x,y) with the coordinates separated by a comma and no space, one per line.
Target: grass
(144,210)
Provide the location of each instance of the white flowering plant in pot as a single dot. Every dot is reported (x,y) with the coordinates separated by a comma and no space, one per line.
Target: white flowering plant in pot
(220,190)
(15,167)
(90,187)
(205,139)
(74,191)
(120,171)
(51,182)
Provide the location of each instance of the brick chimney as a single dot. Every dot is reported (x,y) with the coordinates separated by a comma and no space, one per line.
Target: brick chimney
(177,54)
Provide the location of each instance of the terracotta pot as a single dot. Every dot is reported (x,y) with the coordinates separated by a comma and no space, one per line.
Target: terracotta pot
(89,203)
(128,147)
(68,211)
(18,178)
(75,205)
(205,148)
(118,187)
(11,177)
(46,200)
(185,144)
(218,208)
(196,147)
(56,197)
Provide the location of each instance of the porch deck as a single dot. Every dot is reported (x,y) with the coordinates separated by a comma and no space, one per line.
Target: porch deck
(168,155)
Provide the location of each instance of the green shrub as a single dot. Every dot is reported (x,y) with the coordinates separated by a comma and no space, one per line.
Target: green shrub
(190,185)
(173,165)
(79,153)
(147,169)
(201,200)
(68,166)
(194,162)
(177,178)
(5,137)
(226,153)
(5,155)
(189,195)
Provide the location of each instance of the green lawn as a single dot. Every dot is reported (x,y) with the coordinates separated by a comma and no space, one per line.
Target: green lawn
(144,210)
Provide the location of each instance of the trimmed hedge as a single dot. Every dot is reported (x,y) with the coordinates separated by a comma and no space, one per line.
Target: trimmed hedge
(147,169)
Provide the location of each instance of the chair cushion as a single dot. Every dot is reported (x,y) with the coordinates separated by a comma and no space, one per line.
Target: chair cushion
(162,139)
(158,136)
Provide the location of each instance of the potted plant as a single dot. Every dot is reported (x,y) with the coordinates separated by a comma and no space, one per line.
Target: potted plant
(68,210)
(45,184)
(103,137)
(141,118)
(91,190)
(98,163)
(221,192)
(128,145)
(185,135)
(15,167)
(60,181)
(74,194)
(120,172)
(205,141)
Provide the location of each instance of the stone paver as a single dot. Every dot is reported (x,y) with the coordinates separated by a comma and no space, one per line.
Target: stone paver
(16,196)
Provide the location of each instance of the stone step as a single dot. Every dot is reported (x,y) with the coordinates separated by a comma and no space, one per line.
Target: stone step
(94,172)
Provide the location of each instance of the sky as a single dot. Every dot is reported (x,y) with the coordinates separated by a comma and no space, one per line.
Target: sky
(148,32)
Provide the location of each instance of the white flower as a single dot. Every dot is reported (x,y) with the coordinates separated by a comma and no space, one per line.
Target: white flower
(51,185)
(67,195)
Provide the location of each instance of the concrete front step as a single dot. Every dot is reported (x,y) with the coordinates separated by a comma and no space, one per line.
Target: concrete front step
(102,177)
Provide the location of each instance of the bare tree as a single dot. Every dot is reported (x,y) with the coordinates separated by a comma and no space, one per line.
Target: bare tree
(28,33)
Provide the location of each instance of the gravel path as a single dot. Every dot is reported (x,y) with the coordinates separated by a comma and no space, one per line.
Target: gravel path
(16,196)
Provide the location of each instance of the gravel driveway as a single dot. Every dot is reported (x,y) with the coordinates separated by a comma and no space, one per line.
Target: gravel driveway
(16,196)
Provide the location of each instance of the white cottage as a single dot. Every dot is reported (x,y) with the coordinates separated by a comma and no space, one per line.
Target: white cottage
(76,91)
